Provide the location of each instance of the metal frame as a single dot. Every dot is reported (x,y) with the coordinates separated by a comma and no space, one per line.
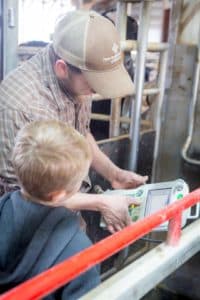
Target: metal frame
(159,100)
(166,64)
(130,45)
(141,46)
(138,278)
(127,46)
(10,35)
(139,81)
(121,24)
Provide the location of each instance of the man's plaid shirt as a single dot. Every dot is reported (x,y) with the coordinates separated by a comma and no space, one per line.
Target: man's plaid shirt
(31,92)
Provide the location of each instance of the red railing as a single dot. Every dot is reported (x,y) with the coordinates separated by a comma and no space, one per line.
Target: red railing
(64,272)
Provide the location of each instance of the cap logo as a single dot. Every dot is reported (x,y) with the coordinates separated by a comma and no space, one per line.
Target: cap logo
(115,48)
(117,55)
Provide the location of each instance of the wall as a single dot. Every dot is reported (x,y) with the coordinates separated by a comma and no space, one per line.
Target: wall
(190,22)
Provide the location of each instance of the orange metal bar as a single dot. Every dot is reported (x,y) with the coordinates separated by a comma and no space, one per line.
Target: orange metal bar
(61,274)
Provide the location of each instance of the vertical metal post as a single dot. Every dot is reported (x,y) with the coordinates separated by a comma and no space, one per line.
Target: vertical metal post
(115,117)
(10,35)
(121,19)
(139,81)
(173,34)
(161,84)
(1,40)
(121,24)
(166,65)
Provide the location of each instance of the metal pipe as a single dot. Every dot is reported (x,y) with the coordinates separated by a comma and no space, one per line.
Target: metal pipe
(121,24)
(146,92)
(115,117)
(139,82)
(121,19)
(130,45)
(152,91)
(113,139)
(10,35)
(101,117)
(132,257)
(143,122)
(132,1)
(161,83)
(175,14)
(55,277)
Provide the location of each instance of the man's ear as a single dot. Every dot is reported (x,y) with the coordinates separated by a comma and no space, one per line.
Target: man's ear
(61,69)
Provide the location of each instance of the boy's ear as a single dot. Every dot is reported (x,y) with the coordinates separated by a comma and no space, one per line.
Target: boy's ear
(61,69)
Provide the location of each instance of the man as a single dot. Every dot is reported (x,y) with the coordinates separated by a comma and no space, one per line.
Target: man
(57,83)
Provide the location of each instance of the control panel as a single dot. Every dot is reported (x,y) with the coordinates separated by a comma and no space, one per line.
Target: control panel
(154,197)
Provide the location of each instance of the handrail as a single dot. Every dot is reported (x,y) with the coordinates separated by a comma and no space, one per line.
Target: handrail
(138,278)
(50,280)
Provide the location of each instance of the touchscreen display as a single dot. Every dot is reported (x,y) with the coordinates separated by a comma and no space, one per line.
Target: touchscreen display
(156,200)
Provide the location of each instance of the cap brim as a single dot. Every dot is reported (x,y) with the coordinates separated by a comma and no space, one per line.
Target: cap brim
(110,84)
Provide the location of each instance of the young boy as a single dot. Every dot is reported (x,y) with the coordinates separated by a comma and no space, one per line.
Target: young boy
(50,160)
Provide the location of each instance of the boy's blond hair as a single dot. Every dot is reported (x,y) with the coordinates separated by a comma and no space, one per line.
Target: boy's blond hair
(50,156)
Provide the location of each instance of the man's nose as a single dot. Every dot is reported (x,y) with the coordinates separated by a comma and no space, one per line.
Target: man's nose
(92,91)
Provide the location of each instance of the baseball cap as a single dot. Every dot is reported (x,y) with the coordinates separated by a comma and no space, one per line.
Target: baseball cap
(90,42)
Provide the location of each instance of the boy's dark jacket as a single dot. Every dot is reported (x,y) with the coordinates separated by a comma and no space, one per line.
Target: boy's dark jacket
(34,237)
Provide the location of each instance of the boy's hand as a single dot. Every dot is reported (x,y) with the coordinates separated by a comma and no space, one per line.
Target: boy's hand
(114,208)
(115,211)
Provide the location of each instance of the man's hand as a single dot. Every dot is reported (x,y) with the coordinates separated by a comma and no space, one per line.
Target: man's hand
(119,179)
(114,210)
(126,179)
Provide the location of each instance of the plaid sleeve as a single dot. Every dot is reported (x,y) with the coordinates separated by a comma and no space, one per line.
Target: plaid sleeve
(84,118)
(11,121)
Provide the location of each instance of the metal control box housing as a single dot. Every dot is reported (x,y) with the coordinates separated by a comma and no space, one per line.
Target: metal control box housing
(154,197)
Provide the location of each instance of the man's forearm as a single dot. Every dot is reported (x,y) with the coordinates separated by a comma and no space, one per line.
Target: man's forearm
(101,163)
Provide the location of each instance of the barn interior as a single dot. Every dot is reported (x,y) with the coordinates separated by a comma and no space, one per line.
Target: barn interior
(153,132)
